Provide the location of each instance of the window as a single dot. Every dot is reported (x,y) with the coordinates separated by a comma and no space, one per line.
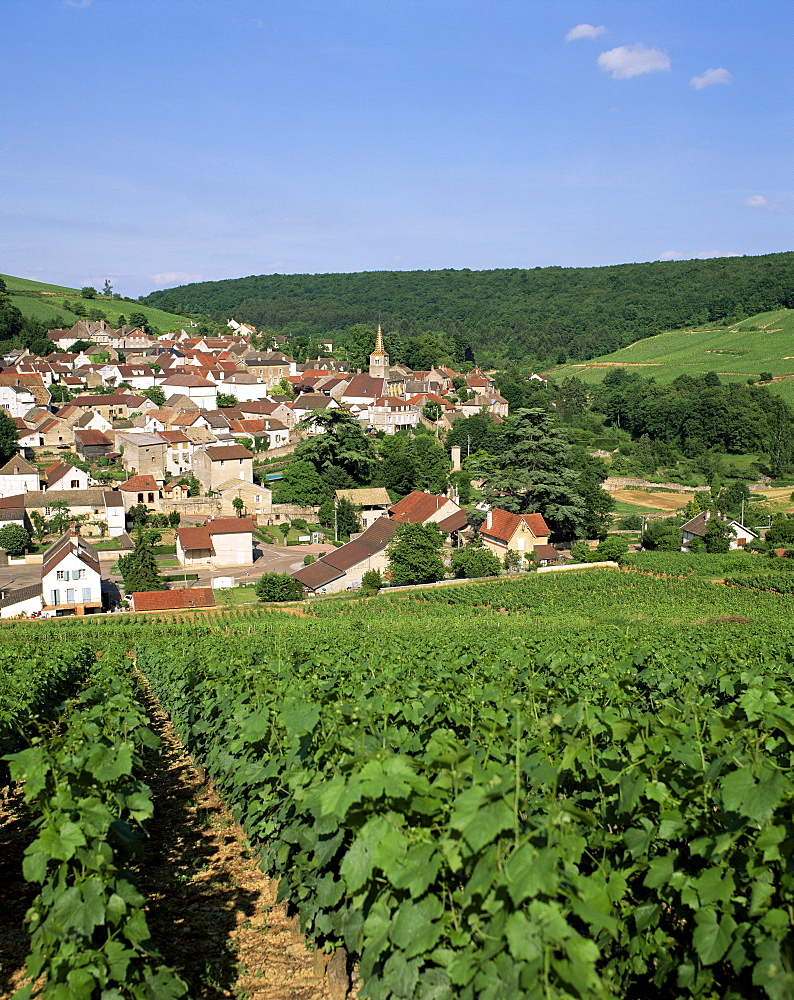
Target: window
(56,597)
(86,595)
(70,595)
(78,574)
(75,484)
(62,574)
(140,498)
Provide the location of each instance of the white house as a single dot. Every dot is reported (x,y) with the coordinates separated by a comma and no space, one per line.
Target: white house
(223,541)
(696,526)
(18,476)
(71,580)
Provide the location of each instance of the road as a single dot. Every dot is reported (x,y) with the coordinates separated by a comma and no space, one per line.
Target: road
(267,559)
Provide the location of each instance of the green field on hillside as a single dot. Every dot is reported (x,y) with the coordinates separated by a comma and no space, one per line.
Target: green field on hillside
(762,343)
(49,304)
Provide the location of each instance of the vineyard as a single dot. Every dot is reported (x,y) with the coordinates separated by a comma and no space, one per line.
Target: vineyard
(572,786)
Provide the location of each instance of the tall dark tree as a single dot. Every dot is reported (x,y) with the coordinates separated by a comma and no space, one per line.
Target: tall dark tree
(139,569)
(534,472)
(9,439)
(342,444)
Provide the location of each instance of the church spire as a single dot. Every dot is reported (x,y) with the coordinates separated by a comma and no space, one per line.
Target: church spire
(379,359)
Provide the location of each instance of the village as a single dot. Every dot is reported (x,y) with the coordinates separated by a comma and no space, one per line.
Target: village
(131,422)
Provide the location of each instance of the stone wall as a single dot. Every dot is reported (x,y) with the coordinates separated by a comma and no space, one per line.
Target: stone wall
(630,483)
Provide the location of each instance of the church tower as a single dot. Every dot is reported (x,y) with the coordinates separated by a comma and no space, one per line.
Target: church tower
(379,359)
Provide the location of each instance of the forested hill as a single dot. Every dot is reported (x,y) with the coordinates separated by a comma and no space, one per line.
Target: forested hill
(507,315)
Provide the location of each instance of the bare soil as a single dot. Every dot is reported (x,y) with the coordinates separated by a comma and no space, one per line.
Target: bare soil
(664,501)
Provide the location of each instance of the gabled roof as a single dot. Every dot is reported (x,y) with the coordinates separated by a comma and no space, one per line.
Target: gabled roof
(194,538)
(417,507)
(454,522)
(504,525)
(18,466)
(69,544)
(141,483)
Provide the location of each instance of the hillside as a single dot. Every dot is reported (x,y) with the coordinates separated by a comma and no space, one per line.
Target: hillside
(762,343)
(50,304)
(508,315)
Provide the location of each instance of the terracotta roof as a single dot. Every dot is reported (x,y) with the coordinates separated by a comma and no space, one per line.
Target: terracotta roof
(138,483)
(229,525)
(348,555)
(194,538)
(188,382)
(547,552)
(93,439)
(174,600)
(379,533)
(318,574)
(218,453)
(454,522)
(504,525)
(417,507)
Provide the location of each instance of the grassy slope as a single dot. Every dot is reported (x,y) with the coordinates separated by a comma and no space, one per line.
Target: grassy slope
(46,303)
(763,343)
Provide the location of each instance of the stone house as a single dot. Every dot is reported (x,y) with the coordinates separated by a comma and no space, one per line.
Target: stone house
(214,465)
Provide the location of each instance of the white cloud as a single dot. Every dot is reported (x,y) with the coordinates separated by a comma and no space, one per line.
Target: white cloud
(670,255)
(79,3)
(759,201)
(175,277)
(585,31)
(710,77)
(633,60)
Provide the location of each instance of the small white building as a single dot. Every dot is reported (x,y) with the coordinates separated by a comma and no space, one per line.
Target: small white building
(18,476)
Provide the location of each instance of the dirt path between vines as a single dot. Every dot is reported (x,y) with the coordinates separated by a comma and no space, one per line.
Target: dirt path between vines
(212,912)
(16,894)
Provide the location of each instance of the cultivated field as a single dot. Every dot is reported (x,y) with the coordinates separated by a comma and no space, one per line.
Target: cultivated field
(763,343)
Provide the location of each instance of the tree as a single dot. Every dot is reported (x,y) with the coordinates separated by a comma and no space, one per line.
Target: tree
(533,472)
(613,547)
(282,388)
(9,439)
(238,505)
(156,394)
(139,569)
(663,536)
(278,587)
(225,399)
(718,536)
(88,292)
(301,484)
(371,581)
(432,411)
(139,515)
(341,443)
(61,519)
(347,522)
(39,525)
(414,554)
(14,539)
(475,561)
(107,289)
(174,517)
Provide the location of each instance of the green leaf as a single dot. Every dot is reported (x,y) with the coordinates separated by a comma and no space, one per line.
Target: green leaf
(417,926)
(479,820)
(529,872)
(660,870)
(113,766)
(711,937)
(523,938)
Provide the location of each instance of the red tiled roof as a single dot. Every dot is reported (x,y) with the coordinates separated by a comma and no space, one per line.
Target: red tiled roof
(194,538)
(454,522)
(317,575)
(504,525)
(93,438)
(218,453)
(229,525)
(174,600)
(136,483)
(417,507)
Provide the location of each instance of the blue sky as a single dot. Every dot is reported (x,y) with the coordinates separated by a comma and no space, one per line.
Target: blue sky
(153,142)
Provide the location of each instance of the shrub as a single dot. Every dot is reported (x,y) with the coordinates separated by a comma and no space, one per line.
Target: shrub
(308,559)
(474,561)
(278,587)
(371,581)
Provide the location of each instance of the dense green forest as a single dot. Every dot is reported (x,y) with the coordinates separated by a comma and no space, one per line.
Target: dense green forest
(542,315)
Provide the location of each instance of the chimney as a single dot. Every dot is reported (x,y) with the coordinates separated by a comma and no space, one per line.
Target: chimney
(489,520)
